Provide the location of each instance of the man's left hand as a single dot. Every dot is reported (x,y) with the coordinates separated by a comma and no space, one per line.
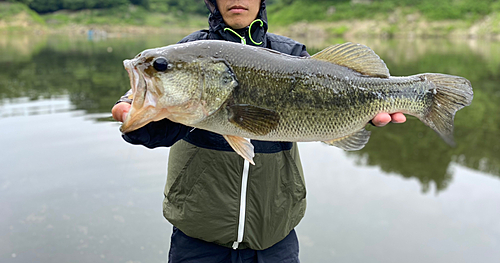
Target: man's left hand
(383,119)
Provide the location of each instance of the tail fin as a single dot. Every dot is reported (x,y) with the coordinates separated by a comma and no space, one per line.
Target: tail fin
(451,93)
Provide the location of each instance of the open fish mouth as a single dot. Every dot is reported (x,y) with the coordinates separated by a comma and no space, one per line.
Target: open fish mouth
(137,82)
(144,99)
(156,96)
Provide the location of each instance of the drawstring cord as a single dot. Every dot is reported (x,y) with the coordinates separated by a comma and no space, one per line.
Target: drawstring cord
(243,41)
(238,35)
(250,31)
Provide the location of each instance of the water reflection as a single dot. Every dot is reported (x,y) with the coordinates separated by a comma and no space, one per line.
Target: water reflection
(413,150)
(25,106)
(72,191)
(90,74)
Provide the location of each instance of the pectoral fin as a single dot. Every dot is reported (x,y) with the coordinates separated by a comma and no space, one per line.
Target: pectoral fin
(352,142)
(241,146)
(257,120)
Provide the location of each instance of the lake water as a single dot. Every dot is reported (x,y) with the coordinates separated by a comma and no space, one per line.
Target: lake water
(71,190)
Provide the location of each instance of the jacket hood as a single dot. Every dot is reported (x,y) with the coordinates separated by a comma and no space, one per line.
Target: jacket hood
(217,25)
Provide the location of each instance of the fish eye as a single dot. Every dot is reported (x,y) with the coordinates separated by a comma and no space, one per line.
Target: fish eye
(160,64)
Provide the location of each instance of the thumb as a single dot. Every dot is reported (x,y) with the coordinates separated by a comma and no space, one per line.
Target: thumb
(124,114)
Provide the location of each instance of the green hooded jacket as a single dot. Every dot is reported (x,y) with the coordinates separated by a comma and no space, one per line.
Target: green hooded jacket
(211,192)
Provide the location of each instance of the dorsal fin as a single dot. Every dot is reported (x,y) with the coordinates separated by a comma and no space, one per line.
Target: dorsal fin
(356,57)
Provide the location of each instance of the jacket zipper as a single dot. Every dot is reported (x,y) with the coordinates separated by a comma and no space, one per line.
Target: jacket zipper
(243,196)
(243,204)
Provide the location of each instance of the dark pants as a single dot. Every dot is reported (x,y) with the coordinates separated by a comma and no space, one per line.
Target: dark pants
(184,249)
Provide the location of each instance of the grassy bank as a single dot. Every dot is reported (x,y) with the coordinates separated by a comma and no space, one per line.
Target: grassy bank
(285,12)
(128,15)
(395,26)
(301,19)
(17,17)
(306,19)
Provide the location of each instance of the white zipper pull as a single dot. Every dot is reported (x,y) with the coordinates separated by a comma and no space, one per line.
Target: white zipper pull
(235,245)
(243,204)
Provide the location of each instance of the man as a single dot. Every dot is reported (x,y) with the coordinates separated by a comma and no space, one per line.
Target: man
(222,209)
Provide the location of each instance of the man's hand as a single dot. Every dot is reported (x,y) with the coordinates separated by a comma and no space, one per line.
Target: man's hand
(383,118)
(120,111)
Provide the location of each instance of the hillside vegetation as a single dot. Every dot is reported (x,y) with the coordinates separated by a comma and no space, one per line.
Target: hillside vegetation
(17,16)
(290,11)
(57,13)
(386,18)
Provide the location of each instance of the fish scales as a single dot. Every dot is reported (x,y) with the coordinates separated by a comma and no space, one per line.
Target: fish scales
(248,92)
(313,106)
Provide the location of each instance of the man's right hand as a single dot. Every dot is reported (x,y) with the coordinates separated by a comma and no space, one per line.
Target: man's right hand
(120,111)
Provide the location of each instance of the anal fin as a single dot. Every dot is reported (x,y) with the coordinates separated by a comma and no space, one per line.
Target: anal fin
(352,142)
(241,146)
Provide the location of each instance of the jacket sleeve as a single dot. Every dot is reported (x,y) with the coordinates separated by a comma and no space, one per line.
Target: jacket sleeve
(156,134)
(299,50)
(286,45)
(304,53)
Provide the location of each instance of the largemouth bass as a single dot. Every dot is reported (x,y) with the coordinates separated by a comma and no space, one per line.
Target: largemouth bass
(249,92)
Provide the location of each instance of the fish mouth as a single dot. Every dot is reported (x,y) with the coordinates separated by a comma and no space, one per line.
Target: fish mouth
(145,97)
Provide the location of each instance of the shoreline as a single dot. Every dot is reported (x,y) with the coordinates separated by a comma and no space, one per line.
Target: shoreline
(395,26)
(302,30)
(399,23)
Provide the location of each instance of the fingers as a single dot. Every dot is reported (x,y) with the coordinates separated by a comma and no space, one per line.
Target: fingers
(120,111)
(383,118)
(398,117)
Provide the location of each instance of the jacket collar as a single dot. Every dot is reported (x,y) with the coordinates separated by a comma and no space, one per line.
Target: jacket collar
(256,34)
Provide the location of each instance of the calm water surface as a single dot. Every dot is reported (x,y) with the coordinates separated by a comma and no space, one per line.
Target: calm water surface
(71,190)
